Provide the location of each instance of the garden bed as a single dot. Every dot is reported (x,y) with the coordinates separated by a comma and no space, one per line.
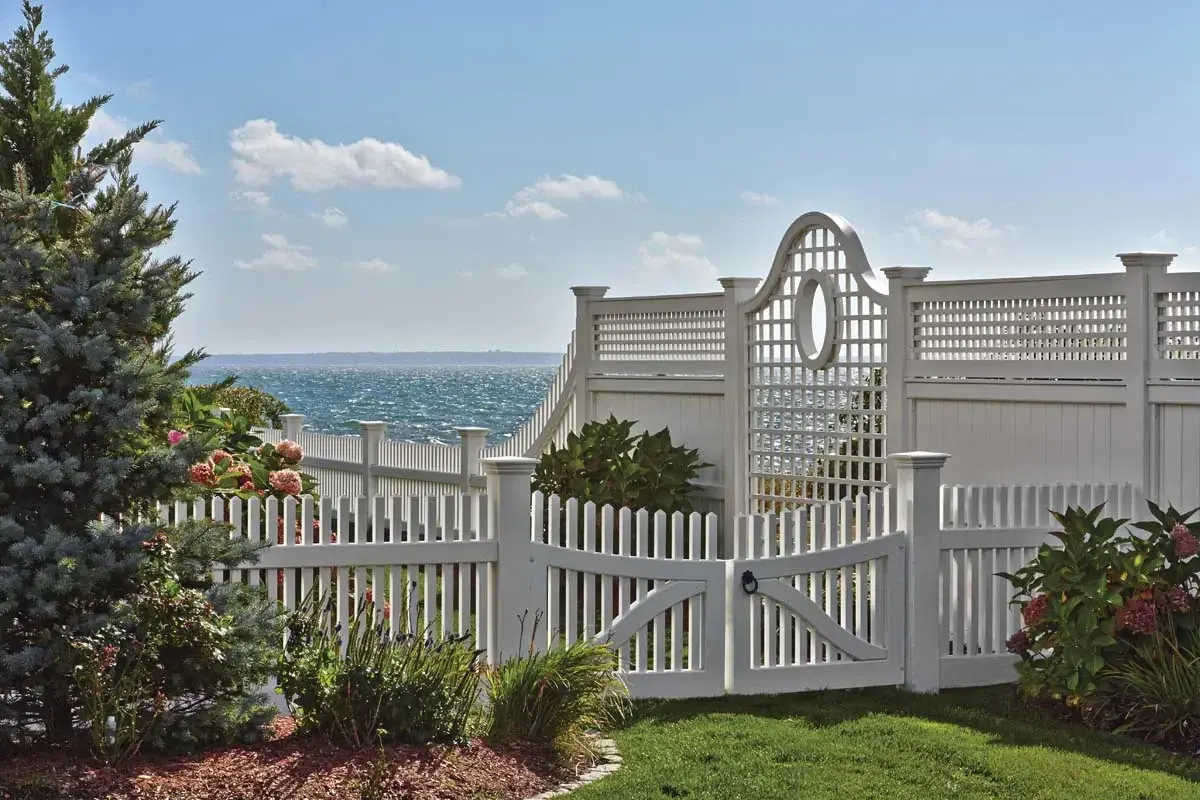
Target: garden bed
(293,766)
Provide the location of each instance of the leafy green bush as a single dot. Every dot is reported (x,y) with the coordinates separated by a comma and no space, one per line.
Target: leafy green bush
(606,463)
(177,664)
(554,697)
(258,406)
(407,689)
(1111,621)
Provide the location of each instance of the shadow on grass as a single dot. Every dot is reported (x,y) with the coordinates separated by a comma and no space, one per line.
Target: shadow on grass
(994,711)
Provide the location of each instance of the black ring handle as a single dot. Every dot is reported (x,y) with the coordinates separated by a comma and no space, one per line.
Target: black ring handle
(749,582)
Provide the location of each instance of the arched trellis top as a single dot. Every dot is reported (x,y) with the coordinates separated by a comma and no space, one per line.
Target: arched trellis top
(856,262)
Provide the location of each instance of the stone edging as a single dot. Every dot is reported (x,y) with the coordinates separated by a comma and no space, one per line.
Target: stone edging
(610,762)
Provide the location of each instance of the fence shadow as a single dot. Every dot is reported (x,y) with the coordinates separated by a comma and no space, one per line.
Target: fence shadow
(994,711)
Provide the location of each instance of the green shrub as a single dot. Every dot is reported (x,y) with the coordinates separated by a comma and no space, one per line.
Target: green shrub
(1111,622)
(408,689)
(179,662)
(259,406)
(555,697)
(607,464)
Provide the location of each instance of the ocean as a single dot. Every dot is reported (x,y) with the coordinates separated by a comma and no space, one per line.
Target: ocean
(421,402)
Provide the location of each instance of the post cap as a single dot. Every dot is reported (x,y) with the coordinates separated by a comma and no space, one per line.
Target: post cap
(508,465)
(739,283)
(1146,260)
(468,430)
(589,291)
(913,274)
(372,425)
(919,459)
(291,416)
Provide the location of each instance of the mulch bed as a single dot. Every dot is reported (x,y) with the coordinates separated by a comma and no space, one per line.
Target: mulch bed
(289,766)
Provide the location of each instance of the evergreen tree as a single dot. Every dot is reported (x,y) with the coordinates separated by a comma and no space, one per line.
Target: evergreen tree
(36,129)
(86,393)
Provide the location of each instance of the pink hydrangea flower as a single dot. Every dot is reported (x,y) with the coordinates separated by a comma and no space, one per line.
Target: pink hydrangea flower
(202,474)
(220,455)
(1018,643)
(286,481)
(290,451)
(175,437)
(1137,616)
(1036,608)
(1177,598)
(1185,541)
(241,470)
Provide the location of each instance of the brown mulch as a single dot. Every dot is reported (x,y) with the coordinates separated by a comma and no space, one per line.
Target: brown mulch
(289,766)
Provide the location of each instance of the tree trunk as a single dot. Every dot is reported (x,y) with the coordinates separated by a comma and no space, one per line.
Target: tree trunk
(56,710)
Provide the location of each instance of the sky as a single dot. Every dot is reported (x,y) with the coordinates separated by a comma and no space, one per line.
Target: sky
(397,176)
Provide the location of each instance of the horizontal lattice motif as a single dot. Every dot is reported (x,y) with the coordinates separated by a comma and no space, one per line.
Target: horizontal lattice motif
(1020,329)
(691,335)
(1178,316)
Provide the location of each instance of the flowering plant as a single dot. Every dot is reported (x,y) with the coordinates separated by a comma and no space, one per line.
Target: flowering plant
(1091,602)
(121,672)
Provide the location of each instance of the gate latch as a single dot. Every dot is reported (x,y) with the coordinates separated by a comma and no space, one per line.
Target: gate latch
(749,582)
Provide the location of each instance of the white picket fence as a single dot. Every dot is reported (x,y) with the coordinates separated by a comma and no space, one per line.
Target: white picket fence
(895,587)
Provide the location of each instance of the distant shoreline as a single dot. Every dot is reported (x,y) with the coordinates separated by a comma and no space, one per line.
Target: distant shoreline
(404,359)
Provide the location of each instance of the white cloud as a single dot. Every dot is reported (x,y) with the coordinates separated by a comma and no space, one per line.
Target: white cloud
(1164,242)
(513,272)
(373,265)
(252,198)
(955,232)
(170,153)
(281,254)
(535,200)
(758,198)
(332,218)
(676,253)
(262,154)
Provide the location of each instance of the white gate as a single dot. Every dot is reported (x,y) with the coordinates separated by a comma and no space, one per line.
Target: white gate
(816,338)
(818,599)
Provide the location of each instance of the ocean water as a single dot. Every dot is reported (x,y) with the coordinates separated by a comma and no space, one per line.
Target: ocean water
(420,403)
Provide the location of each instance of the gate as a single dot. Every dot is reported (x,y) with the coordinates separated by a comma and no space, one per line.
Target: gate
(816,340)
(818,599)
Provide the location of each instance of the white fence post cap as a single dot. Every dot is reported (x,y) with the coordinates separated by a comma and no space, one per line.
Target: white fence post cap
(918,459)
(509,465)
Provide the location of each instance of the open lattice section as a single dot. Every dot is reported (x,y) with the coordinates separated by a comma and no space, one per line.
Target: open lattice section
(686,329)
(1178,329)
(816,434)
(1020,329)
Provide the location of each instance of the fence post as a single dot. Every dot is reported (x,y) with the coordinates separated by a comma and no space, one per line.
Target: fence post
(519,584)
(918,481)
(1141,333)
(472,443)
(736,479)
(899,347)
(372,434)
(585,349)
(292,425)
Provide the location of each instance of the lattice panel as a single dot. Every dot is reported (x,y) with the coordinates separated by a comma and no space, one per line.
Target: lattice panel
(816,433)
(1020,329)
(1178,315)
(686,335)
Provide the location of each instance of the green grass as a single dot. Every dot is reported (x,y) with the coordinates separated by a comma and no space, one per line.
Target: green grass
(880,743)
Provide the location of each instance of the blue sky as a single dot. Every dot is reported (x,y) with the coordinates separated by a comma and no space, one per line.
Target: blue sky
(402,176)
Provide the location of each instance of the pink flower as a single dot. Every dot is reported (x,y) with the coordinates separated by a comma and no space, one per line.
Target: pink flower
(1018,643)
(387,609)
(1176,599)
(1138,616)
(241,470)
(286,481)
(175,437)
(1036,608)
(1185,541)
(203,474)
(220,455)
(290,451)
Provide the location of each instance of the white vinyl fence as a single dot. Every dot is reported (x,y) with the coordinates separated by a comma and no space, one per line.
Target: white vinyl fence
(829,596)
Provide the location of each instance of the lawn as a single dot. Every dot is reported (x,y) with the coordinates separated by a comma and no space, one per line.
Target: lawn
(884,743)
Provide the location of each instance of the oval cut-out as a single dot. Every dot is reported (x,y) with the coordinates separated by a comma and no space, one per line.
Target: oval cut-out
(814,352)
